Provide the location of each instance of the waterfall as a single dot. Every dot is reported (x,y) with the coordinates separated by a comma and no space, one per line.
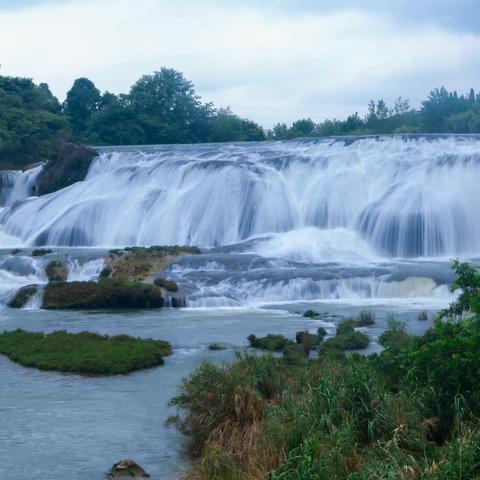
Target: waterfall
(387,196)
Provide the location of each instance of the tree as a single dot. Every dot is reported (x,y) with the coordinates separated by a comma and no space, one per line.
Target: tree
(168,107)
(83,100)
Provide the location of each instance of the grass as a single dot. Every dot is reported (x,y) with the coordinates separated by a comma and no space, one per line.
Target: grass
(83,353)
(409,413)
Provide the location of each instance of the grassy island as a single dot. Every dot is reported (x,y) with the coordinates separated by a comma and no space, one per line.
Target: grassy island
(411,412)
(84,353)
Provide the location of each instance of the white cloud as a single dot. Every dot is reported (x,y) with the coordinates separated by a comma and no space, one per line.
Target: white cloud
(266,64)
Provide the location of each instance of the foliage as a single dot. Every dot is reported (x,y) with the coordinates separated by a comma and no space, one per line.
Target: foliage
(410,412)
(85,352)
(441,112)
(272,342)
(31,122)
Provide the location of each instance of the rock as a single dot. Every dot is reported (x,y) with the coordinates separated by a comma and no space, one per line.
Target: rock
(56,271)
(127,469)
(39,252)
(22,296)
(107,293)
(217,346)
(69,164)
(178,302)
(168,285)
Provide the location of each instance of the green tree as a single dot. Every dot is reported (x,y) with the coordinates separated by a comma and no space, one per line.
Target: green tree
(83,100)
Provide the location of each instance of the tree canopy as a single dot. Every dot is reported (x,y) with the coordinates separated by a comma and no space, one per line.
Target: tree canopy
(163,107)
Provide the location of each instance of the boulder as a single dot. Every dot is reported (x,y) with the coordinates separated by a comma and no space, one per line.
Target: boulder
(56,271)
(127,470)
(22,296)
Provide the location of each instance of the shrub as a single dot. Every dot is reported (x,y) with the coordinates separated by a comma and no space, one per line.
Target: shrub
(311,314)
(217,346)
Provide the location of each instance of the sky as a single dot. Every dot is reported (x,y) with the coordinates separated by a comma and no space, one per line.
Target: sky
(268,60)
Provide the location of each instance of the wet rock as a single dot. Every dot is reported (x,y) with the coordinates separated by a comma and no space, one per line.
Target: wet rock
(127,469)
(22,296)
(56,271)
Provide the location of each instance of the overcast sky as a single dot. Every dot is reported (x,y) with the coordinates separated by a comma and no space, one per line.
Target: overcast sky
(271,61)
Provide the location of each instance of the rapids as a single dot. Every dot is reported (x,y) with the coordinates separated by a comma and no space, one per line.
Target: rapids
(309,219)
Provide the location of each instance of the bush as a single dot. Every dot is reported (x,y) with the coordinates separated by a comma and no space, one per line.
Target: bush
(217,346)
(311,314)
(86,353)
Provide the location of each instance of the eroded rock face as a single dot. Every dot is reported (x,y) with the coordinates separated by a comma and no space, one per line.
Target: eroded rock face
(127,469)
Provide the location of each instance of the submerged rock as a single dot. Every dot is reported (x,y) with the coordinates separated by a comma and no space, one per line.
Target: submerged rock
(22,296)
(127,469)
(107,293)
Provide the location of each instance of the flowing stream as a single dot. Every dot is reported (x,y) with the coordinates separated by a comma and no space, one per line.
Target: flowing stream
(337,225)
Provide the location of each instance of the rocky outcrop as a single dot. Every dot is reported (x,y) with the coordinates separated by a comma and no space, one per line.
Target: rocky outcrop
(22,296)
(127,470)
(107,293)
(56,271)
(68,165)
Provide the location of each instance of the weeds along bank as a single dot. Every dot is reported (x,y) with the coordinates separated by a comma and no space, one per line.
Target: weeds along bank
(410,412)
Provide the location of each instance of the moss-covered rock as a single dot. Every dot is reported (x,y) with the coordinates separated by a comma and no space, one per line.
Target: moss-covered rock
(56,271)
(271,342)
(22,296)
(107,293)
(141,263)
(127,469)
(306,338)
(85,352)
(168,285)
(68,165)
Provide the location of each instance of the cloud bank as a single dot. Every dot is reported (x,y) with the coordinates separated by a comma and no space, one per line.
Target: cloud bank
(277,62)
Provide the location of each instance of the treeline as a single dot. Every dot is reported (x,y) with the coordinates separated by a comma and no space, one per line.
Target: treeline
(441,112)
(164,108)
(159,108)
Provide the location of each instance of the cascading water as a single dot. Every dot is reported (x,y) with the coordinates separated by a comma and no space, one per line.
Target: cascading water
(307,203)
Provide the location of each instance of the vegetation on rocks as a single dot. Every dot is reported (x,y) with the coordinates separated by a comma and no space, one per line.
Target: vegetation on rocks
(217,346)
(410,412)
(168,285)
(141,263)
(84,353)
(107,293)
(271,342)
